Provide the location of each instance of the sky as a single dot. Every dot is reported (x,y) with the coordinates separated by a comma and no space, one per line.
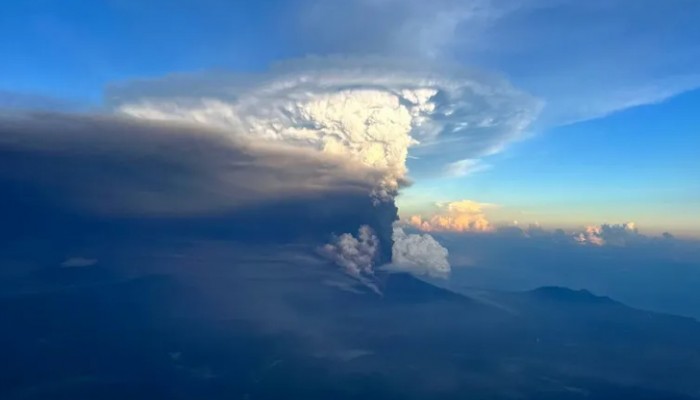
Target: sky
(584,111)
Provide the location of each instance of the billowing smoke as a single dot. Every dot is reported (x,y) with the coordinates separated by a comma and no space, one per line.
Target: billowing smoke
(418,254)
(365,110)
(356,255)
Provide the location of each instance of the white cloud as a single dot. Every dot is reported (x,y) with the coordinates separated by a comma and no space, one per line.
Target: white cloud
(419,254)
(614,235)
(457,216)
(465,167)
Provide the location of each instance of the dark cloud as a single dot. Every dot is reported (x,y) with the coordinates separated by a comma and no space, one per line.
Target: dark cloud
(121,166)
(72,175)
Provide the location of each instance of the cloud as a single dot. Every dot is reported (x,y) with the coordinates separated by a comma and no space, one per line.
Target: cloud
(584,59)
(458,216)
(614,235)
(412,28)
(64,177)
(418,254)
(307,130)
(465,167)
(370,110)
(121,166)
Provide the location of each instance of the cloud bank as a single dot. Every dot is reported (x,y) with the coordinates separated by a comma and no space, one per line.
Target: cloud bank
(614,235)
(457,216)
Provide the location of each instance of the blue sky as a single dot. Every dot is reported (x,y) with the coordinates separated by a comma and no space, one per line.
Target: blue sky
(639,165)
(615,142)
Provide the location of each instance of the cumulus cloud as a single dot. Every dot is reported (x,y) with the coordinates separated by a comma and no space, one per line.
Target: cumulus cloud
(457,216)
(614,235)
(355,254)
(418,254)
(368,110)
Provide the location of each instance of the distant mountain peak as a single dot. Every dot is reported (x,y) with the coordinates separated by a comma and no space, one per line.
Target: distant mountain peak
(570,295)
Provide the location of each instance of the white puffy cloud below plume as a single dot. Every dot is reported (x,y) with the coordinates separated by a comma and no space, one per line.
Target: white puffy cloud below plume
(419,254)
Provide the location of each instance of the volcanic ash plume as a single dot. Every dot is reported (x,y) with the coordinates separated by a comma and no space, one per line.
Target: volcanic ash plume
(363,111)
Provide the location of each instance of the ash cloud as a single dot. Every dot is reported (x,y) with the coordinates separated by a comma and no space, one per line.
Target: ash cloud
(369,111)
(357,255)
(120,166)
(365,109)
(321,139)
(69,177)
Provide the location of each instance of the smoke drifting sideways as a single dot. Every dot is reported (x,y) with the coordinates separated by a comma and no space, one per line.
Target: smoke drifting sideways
(367,111)
(67,175)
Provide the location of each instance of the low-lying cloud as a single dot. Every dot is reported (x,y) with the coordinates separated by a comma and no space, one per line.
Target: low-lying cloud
(457,216)
(615,235)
